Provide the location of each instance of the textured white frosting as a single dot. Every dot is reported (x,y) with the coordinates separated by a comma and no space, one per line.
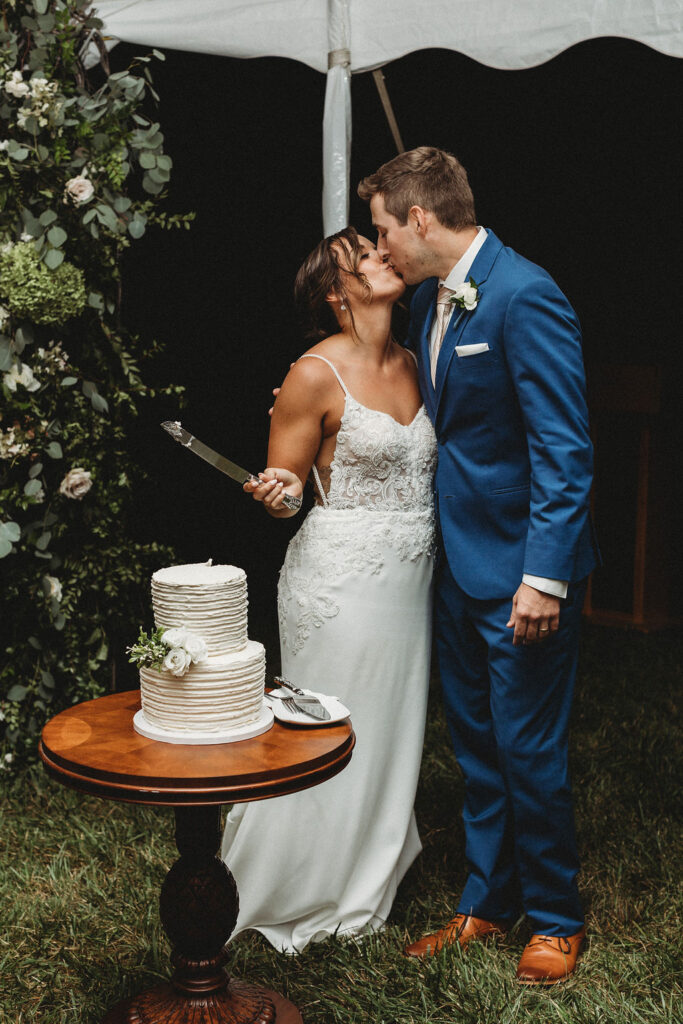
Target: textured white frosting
(211,600)
(221,692)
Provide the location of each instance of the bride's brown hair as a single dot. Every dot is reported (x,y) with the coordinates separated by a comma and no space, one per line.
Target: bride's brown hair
(323,272)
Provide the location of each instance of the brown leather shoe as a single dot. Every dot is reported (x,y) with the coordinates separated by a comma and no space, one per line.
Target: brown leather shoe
(549,959)
(463,928)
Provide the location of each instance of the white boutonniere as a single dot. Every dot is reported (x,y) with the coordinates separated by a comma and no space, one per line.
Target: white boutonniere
(466,295)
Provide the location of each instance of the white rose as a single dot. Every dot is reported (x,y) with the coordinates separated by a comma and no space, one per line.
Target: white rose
(76,483)
(16,86)
(177,661)
(195,647)
(20,373)
(53,587)
(174,637)
(468,294)
(80,189)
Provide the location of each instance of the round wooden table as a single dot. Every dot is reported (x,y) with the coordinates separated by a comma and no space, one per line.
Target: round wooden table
(93,747)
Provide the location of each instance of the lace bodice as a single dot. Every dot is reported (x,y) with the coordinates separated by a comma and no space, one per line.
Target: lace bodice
(379,503)
(378,462)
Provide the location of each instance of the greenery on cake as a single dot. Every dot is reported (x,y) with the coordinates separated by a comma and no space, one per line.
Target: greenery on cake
(82,170)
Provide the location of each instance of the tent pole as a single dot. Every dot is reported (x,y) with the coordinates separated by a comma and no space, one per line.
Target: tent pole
(378,75)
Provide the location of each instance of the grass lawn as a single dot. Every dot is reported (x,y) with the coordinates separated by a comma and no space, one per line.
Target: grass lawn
(80,879)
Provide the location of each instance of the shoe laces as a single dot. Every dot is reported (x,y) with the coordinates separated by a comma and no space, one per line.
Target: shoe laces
(563,943)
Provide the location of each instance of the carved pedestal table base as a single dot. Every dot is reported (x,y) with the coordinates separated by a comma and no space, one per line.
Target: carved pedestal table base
(93,747)
(199,905)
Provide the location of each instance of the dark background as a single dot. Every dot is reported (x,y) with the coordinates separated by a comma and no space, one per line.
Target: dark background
(573,163)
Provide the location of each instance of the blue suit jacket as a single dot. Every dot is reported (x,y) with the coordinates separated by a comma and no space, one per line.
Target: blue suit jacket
(515,457)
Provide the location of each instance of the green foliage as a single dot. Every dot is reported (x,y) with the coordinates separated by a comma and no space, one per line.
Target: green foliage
(34,292)
(82,172)
(148,651)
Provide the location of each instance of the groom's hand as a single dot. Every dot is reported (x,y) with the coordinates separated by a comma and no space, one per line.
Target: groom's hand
(535,616)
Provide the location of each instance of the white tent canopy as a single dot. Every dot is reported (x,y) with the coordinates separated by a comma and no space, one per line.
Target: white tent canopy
(338,37)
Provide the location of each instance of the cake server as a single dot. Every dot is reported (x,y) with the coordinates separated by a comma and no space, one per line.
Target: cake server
(188,440)
(311,705)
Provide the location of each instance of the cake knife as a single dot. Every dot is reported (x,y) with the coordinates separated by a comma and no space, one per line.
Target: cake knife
(188,440)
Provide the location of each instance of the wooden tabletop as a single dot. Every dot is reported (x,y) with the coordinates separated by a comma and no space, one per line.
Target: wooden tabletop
(93,747)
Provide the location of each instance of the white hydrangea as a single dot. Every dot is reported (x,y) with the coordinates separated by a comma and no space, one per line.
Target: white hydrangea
(10,444)
(16,86)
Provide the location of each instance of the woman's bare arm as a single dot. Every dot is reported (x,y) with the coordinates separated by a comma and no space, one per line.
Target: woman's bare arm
(296,432)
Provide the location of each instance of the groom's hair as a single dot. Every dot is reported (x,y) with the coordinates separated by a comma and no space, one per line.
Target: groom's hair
(426,177)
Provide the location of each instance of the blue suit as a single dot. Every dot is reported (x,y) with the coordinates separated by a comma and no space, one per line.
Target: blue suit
(512,497)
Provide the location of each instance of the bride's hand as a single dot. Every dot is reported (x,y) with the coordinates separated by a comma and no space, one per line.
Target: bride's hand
(271,487)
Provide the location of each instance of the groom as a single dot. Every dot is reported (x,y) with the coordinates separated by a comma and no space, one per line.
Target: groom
(501,375)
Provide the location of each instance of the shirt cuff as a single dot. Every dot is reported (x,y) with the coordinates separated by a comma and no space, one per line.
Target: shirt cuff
(557,588)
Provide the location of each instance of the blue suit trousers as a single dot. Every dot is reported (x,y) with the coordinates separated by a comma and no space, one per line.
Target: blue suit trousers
(508,712)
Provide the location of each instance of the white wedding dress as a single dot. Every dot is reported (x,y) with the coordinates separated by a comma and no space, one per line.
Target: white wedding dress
(354,603)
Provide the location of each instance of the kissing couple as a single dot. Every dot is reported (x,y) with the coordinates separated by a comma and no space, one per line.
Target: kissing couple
(451,476)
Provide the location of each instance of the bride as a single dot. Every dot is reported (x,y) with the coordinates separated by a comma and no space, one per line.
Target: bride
(354,604)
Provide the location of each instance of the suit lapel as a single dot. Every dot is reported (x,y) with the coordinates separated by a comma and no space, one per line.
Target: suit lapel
(479,272)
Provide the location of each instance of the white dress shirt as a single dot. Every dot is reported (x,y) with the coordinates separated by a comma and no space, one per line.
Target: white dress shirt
(458,275)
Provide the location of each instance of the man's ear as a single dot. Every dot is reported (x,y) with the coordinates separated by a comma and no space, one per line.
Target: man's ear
(417,218)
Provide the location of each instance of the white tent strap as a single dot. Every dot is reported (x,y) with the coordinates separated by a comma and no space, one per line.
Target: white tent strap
(338,58)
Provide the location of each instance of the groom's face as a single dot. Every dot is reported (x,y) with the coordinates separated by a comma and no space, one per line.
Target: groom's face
(398,243)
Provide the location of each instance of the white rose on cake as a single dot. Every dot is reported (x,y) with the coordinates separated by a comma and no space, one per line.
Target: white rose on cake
(195,647)
(177,661)
(174,637)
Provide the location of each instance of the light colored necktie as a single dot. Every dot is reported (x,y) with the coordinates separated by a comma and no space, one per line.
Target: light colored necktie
(444,308)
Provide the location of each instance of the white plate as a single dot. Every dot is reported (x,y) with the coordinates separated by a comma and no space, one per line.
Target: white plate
(338,712)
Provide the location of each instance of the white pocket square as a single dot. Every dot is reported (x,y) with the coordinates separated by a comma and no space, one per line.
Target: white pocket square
(471,350)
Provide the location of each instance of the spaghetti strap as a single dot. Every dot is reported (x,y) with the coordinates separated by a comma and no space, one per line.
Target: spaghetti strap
(411,353)
(320,486)
(312,355)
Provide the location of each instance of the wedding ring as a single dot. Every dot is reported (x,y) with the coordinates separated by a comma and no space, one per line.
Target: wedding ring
(543,629)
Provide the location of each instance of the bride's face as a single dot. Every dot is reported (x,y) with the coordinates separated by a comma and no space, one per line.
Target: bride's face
(385,285)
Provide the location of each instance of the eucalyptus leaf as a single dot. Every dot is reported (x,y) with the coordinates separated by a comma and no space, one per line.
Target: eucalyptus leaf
(158,174)
(17,692)
(164,161)
(153,187)
(136,228)
(47,217)
(43,540)
(60,621)
(68,382)
(89,388)
(35,470)
(32,488)
(5,547)
(57,236)
(47,678)
(19,154)
(5,354)
(54,450)
(35,643)
(10,531)
(147,159)
(96,300)
(99,403)
(159,55)
(88,216)
(25,334)
(122,203)
(53,258)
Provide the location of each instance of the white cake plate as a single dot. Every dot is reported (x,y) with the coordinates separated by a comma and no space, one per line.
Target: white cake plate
(242,732)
